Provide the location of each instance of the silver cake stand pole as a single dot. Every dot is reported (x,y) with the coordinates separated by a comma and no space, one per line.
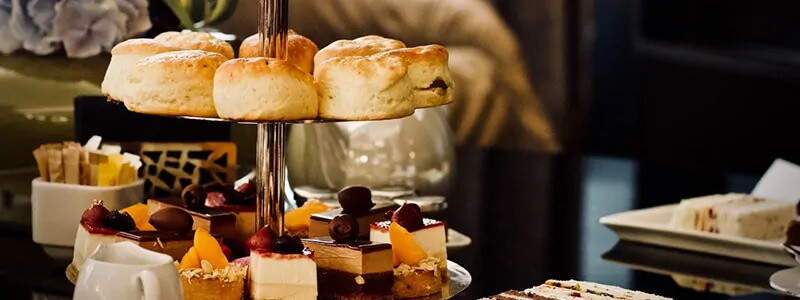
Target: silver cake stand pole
(273,17)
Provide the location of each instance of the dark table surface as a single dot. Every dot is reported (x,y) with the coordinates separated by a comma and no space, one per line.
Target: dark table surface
(531,216)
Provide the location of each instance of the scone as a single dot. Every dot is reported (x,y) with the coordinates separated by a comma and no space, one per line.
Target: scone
(364,88)
(363,46)
(252,89)
(173,83)
(123,58)
(196,41)
(300,50)
(429,74)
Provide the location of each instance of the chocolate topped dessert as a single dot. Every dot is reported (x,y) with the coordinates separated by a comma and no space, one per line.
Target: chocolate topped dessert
(349,268)
(357,202)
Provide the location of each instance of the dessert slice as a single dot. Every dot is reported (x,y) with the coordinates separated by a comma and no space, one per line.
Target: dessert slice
(428,233)
(297,220)
(355,201)
(569,290)
(415,274)
(281,267)
(348,268)
(172,236)
(734,214)
(98,226)
(215,221)
(206,274)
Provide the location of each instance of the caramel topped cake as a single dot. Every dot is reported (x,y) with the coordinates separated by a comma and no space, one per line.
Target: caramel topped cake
(352,270)
(357,202)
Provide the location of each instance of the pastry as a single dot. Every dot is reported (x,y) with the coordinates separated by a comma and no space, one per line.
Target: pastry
(172,83)
(188,40)
(300,50)
(571,289)
(98,226)
(281,268)
(216,221)
(734,214)
(297,221)
(363,46)
(355,201)
(173,235)
(123,58)
(373,77)
(206,274)
(348,268)
(251,89)
(430,235)
(239,201)
(428,73)
(364,88)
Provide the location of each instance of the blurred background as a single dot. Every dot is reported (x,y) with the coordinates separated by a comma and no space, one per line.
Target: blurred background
(565,111)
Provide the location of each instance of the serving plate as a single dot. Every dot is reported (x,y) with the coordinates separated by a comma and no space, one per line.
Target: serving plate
(650,226)
(460,279)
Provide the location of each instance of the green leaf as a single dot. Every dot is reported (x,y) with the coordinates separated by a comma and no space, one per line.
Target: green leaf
(181,13)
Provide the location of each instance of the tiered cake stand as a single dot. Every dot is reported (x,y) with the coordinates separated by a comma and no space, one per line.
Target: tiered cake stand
(271,140)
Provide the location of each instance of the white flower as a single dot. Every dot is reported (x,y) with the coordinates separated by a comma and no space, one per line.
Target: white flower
(8,41)
(88,27)
(32,22)
(138,16)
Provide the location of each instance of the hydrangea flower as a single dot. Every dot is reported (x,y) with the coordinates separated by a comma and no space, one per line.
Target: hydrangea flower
(32,22)
(8,41)
(89,26)
(138,17)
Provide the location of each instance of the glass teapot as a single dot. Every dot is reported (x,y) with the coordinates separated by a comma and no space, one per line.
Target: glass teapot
(412,154)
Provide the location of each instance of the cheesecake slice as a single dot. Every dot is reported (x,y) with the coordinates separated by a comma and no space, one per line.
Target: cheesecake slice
(281,268)
(98,226)
(431,238)
(734,214)
(357,270)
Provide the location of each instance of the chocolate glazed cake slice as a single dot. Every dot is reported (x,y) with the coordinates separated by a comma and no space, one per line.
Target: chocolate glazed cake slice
(353,270)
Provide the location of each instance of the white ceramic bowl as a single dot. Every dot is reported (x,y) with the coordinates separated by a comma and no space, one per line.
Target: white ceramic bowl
(56,208)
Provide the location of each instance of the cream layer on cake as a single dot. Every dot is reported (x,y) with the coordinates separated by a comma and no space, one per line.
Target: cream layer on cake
(282,276)
(86,243)
(734,214)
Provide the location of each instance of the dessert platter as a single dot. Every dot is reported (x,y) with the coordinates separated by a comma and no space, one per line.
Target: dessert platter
(733,225)
(236,242)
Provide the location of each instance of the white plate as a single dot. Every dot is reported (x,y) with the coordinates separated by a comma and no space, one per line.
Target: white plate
(650,226)
(787,281)
(459,280)
(457,239)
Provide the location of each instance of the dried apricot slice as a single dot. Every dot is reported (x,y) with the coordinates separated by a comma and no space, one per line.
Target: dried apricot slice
(300,218)
(404,246)
(190,259)
(209,249)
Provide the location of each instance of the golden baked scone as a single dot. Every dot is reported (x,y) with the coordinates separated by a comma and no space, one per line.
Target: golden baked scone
(172,83)
(363,46)
(264,89)
(123,57)
(300,50)
(429,74)
(364,88)
(196,41)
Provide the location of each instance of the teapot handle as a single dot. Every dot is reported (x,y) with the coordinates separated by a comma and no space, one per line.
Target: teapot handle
(152,291)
